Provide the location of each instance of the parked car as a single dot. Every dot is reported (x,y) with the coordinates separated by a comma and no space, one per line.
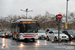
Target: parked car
(53,36)
(0,34)
(41,34)
(70,34)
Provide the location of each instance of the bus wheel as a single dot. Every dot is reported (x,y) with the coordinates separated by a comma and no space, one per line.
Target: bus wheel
(33,40)
(26,40)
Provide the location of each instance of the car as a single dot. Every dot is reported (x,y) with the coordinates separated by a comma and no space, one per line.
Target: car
(8,34)
(70,34)
(3,34)
(0,34)
(41,34)
(53,36)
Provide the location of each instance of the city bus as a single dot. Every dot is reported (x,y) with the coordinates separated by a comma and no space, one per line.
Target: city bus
(23,29)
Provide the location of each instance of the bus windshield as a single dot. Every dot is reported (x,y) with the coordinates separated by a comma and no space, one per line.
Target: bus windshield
(28,28)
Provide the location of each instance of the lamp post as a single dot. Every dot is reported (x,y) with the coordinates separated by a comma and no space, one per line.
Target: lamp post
(66,14)
(46,23)
(1,22)
(26,11)
(5,22)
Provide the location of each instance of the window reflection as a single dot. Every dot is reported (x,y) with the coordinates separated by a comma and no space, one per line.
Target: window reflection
(4,43)
(21,45)
(45,42)
(38,42)
(71,42)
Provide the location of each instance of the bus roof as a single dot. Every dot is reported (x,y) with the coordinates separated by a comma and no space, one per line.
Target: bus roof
(24,20)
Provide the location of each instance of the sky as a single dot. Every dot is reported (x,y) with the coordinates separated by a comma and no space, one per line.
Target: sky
(13,7)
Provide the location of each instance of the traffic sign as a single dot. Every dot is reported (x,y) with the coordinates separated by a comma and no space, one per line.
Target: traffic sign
(59,16)
(58,19)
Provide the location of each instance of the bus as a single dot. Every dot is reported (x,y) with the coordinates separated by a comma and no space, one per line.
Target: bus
(23,29)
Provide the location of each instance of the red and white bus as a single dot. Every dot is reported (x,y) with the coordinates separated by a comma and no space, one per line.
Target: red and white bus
(25,29)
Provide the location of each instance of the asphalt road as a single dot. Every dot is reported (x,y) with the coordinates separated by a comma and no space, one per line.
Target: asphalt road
(10,44)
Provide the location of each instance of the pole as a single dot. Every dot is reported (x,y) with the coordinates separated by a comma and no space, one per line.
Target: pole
(5,22)
(26,11)
(46,23)
(66,11)
(26,14)
(58,30)
(1,22)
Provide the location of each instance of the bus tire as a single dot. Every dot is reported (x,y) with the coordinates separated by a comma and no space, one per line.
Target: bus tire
(33,40)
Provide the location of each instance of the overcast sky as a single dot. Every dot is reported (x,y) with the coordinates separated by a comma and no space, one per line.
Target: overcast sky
(12,7)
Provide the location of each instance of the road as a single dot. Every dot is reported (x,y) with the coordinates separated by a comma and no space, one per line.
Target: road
(10,44)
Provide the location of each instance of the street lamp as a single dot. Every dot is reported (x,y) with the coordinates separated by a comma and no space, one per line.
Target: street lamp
(26,11)
(66,13)
(5,21)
